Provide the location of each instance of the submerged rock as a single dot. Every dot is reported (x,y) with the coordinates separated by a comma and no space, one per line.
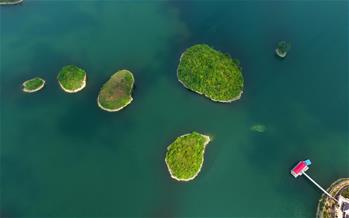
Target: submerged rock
(258,128)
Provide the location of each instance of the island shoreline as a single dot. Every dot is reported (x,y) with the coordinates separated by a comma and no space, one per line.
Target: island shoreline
(83,85)
(341,183)
(281,55)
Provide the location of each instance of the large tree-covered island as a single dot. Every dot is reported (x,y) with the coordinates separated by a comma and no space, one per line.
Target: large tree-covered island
(33,85)
(72,78)
(212,73)
(116,93)
(185,156)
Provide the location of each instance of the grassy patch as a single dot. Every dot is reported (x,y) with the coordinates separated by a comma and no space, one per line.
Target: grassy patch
(71,77)
(116,92)
(33,84)
(185,155)
(210,72)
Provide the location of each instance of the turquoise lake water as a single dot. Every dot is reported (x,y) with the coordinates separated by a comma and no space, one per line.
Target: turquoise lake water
(61,156)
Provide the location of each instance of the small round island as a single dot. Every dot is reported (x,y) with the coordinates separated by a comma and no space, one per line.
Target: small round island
(211,73)
(72,78)
(33,85)
(185,156)
(282,49)
(116,93)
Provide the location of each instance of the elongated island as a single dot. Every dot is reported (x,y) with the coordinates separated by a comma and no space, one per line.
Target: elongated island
(116,93)
(185,156)
(329,208)
(211,73)
(33,85)
(72,78)
(10,2)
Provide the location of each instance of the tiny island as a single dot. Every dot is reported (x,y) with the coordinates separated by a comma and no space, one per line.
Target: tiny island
(116,93)
(10,2)
(282,49)
(211,73)
(33,85)
(329,208)
(185,156)
(72,78)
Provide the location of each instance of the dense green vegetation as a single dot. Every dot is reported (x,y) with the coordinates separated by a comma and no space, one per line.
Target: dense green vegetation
(33,85)
(185,156)
(116,92)
(72,78)
(282,48)
(212,73)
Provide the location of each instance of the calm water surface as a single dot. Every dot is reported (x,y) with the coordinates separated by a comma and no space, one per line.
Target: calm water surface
(61,156)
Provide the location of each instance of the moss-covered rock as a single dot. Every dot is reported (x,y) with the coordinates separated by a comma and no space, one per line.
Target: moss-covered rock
(185,156)
(116,93)
(209,72)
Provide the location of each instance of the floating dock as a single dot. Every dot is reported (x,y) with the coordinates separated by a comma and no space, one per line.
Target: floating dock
(300,169)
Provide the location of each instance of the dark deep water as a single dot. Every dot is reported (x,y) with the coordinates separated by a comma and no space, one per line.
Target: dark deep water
(61,156)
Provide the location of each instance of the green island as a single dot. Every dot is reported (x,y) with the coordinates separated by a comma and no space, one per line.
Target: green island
(72,78)
(211,73)
(10,2)
(328,208)
(33,85)
(116,93)
(282,48)
(185,156)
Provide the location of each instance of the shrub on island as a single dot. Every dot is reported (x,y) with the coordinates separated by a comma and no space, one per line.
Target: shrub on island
(185,156)
(33,85)
(212,73)
(72,78)
(116,93)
